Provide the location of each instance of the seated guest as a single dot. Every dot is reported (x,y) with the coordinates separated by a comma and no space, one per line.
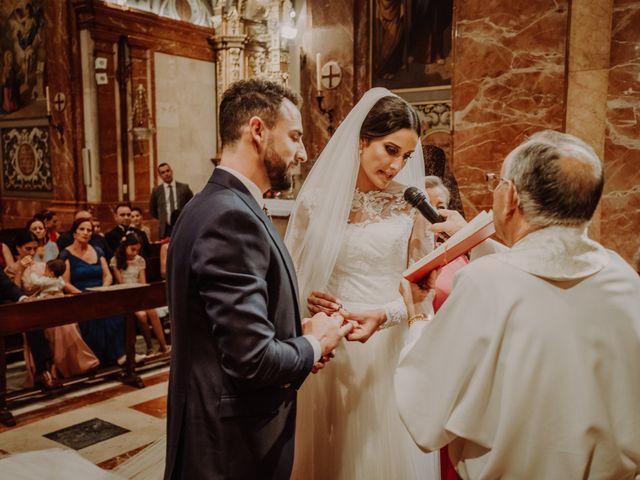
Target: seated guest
(122,215)
(71,355)
(545,380)
(129,267)
(47,249)
(97,227)
(26,245)
(50,220)
(6,257)
(138,222)
(97,239)
(87,267)
(37,343)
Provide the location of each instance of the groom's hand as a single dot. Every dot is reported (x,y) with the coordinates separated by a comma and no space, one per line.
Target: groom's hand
(329,330)
(323,302)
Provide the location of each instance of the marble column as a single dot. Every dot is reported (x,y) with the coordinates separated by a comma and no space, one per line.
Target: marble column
(620,205)
(508,82)
(587,77)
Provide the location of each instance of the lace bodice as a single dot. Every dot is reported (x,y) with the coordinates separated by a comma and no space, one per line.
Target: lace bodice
(374,250)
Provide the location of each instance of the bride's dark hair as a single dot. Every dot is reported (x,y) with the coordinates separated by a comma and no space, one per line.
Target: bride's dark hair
(388,115)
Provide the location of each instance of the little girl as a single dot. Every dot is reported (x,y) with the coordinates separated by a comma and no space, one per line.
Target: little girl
(129,267)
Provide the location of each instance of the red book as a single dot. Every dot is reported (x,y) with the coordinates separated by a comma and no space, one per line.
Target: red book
(472,234)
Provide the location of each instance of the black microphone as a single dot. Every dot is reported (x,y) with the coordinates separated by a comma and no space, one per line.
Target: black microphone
(417,199)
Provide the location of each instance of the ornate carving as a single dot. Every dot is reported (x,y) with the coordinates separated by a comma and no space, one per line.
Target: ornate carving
(435,115)
(26,161)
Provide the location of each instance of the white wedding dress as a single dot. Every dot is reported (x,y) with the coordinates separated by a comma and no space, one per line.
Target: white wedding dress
(348,426)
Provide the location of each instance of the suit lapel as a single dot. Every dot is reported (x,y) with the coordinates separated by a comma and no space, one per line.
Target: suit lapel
(227,180)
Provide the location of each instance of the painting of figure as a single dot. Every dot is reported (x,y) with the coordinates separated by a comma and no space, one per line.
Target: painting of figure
(22,59)
(411,43)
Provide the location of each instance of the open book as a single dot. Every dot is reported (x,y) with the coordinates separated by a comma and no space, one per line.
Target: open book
(472,234)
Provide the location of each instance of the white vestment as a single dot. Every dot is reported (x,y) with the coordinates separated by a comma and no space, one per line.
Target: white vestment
(531,369)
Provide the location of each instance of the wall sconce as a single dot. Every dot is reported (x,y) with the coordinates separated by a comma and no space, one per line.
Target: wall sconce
(141,125)
(59,102)
(328,76)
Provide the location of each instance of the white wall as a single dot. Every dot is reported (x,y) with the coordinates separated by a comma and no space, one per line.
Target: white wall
(186,117)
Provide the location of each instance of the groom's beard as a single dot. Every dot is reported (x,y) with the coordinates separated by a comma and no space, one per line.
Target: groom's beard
(277,169)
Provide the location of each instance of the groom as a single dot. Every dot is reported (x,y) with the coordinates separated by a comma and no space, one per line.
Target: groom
(239,350)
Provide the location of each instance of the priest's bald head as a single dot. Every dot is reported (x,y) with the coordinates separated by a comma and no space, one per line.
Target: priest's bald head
(552,178)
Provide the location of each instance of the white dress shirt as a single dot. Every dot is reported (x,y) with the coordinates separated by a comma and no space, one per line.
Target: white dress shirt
(167,202)
(256,193)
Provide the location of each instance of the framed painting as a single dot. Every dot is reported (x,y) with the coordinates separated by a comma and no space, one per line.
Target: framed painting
(26,160)
(410,44)
(22,60)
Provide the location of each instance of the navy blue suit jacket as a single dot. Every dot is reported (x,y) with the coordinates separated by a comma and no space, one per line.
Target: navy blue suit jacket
(237,354)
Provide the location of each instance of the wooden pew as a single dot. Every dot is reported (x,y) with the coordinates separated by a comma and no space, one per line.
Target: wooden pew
(35,315)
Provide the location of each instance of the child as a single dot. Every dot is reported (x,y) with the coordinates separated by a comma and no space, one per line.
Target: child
(71,355)
(129,267)
(50,282)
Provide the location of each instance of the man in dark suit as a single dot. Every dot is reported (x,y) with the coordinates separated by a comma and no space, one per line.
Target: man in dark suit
(122,214)
(166,198)
(240,351)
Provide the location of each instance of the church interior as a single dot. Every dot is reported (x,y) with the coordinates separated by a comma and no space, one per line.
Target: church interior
(98,94)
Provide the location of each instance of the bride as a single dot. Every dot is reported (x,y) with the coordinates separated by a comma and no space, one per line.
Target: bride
(351,235)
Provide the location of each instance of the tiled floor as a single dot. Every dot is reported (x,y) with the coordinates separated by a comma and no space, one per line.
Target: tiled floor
(106,424)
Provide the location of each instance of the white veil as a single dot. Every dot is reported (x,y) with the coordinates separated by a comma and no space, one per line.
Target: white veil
(319,217)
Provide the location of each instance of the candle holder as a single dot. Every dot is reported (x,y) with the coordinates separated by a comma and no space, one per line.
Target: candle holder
(59,103)
(326,111)
(59,128)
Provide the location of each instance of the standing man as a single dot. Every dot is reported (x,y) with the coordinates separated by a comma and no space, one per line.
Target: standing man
(122,215)
(545,379)
(239,350)
(166,198)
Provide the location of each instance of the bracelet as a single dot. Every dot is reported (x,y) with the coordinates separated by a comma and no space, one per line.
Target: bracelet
(419,317)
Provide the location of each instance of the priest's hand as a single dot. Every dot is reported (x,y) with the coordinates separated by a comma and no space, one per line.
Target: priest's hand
(365,324)
(318,302)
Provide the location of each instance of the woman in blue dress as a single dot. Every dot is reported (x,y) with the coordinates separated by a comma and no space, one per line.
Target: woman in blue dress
(86,268)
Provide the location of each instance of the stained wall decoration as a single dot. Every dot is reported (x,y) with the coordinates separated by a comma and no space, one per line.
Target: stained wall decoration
(26,160)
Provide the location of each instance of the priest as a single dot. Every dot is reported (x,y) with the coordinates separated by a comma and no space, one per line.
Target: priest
(545,379)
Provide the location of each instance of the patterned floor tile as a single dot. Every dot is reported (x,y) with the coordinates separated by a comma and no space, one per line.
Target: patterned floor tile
(87,433)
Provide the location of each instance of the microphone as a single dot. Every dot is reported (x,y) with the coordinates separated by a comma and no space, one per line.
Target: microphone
(418,200)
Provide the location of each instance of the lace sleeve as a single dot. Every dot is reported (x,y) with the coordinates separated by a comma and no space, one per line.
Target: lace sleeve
(421,243)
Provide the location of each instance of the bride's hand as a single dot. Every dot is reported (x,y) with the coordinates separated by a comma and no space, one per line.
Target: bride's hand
(365,324)
(323,302)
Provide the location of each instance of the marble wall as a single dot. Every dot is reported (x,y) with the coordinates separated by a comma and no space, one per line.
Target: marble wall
(186,123)
(509,81)
(620,206)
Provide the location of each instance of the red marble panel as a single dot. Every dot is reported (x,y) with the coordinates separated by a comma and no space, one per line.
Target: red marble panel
(330,27)
(156,407)
(82,401)
(620,220)
(508,82)
(120,459)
